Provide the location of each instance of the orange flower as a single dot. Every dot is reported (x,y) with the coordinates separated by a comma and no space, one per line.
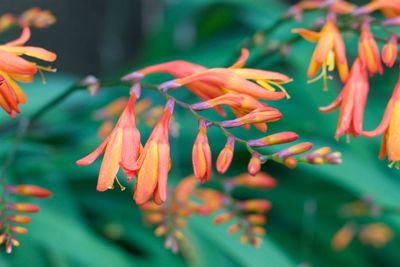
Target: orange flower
(390,124)
(201,154)
(236,80)
(180,69)
(122,145)
(389,52)
(352,101)
(368,50)
(152,167)
(330,50)
(212,83)
(390,8)
(14,68)
(226,155)
(335,6)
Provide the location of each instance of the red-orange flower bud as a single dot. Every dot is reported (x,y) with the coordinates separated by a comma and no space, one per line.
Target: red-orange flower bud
(23,207)
(29,190)
(225,157)
(224,217)
(254,164)
(294,150)
(255,205)
(259,115)
(233,229)
(201,154)
(256,219)
(19,219)
(261,180)
(274,139)
(19,230)
(368,50)
(389,52)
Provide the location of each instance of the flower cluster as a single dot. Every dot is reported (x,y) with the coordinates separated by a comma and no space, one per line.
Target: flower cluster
(13,67)
(330,52)
(245,216)
(34,17)
(10,212)
(242,90)
(361,216)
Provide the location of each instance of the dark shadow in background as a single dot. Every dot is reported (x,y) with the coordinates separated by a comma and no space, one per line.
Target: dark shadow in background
(90,36)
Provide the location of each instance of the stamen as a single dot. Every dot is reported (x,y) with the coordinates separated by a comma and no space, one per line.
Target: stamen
(266,85)
(41,71)
(119,183)
(281,88)
(323,75)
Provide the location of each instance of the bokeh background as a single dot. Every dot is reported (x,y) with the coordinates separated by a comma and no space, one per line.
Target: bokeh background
(82,227)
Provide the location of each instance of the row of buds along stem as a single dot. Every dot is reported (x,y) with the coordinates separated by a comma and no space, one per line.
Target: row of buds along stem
(10,212)
(188,198)
(240,89)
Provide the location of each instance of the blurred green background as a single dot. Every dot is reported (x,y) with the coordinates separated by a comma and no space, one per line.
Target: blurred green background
(81,227)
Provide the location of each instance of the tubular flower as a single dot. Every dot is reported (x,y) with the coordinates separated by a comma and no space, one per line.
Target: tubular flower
(201,154)
(330,50)
(352,100)
(368,50)
(390,8)
(14,68)
(390,125)
(335,6)
(222,80)
(180,69)
(154,162)
(226,155)
(122,145)
(259,116)
(389,52)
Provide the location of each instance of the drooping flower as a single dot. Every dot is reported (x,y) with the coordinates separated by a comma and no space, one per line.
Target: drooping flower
(351,100)
(226,155)
(180,69)
(15,68)
(153,164)
(121,146)
(333,6)
(389,51)
(234,80)
(368,50)
(390,8)
(390,125)
(201,154)
(329,52)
